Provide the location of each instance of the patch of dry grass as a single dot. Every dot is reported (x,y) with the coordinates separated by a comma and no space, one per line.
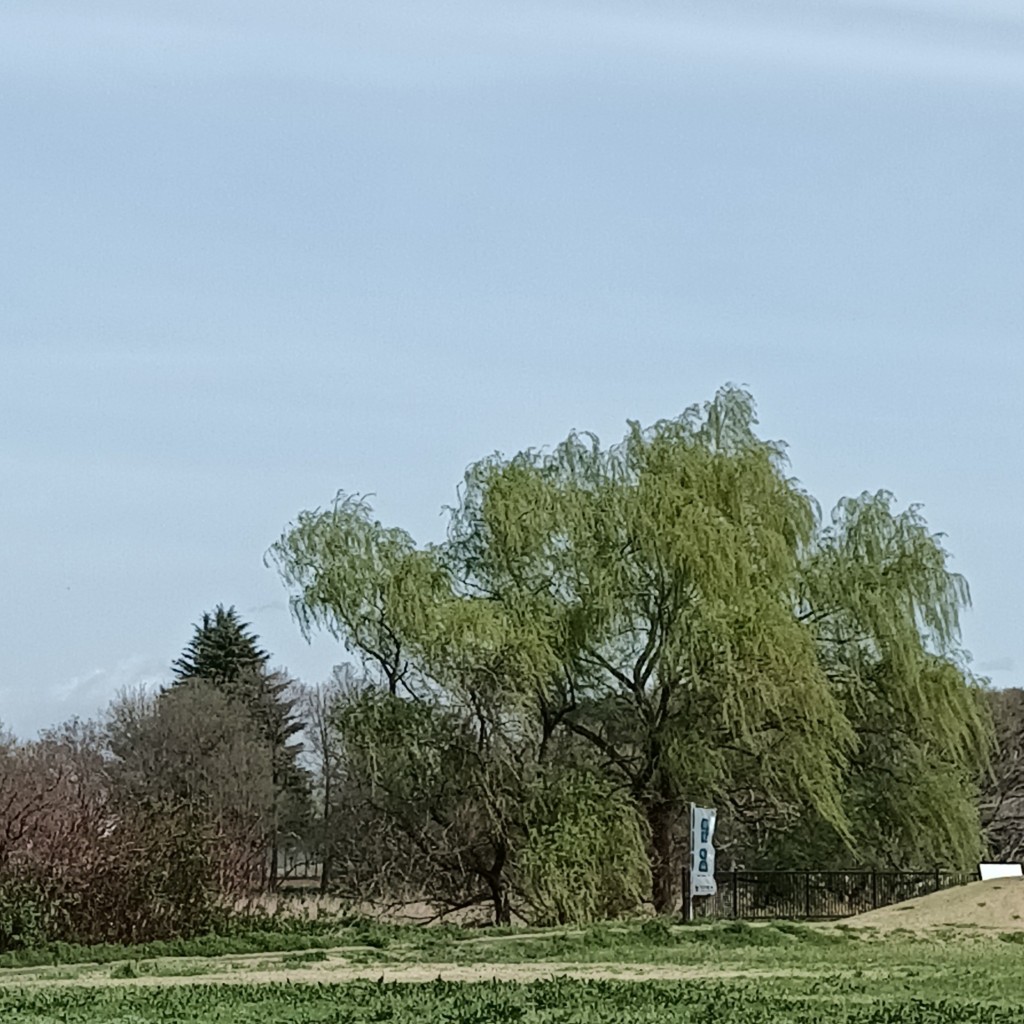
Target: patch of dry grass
(996,905)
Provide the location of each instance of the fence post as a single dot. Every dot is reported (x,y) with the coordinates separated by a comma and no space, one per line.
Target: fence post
(735,896)
(807,894)
(874,888)
(687,898)
(938,880)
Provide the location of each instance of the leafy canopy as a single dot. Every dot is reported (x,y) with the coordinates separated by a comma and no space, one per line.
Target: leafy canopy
(665,570)
(673,614)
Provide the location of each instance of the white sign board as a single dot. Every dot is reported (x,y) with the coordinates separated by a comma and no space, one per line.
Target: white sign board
(702,851)
(1000,871)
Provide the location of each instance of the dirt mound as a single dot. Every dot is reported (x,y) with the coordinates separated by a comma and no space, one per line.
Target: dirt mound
(997,904)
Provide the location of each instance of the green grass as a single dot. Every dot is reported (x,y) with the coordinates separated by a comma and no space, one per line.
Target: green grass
(561,1001)
(449,943)
(263,937)
(777,973)
(652,941)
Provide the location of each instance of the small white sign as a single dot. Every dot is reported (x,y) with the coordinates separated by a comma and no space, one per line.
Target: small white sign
(702,851)
(1000,871)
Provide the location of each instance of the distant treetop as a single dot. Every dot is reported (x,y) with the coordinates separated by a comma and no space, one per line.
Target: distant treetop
(222,650)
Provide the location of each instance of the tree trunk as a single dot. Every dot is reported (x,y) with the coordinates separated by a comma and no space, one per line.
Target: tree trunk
(495,879)
(499,897)
(272,880)
(662,819)
(326,871)
(328,846)
(272,877)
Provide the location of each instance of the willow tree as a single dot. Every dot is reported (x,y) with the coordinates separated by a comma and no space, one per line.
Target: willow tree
(365,584)
(666,570)
(446,748)
(884,605)
(672,614)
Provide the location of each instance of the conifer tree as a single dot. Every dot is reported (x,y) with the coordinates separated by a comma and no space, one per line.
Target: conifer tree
(225,653)
(222,650)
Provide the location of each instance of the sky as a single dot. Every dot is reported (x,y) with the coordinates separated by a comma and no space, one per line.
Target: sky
(254,253)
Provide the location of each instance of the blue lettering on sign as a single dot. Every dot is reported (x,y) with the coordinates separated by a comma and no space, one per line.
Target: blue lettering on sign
(702,861)
(704,825)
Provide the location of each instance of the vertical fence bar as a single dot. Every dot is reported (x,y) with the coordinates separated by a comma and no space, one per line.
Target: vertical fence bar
(812,894)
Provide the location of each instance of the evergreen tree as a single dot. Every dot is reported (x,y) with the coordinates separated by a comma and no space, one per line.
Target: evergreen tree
(222,651)
(225,653)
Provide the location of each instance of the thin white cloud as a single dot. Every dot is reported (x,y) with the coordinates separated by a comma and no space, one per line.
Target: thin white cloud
(979,12)
(89,692)
(422,45)
(893,40)
(26,711)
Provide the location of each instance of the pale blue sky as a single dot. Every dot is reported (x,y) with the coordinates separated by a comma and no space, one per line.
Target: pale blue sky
(253,253)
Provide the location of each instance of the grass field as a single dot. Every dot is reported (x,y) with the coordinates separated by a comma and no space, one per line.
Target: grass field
(728,973)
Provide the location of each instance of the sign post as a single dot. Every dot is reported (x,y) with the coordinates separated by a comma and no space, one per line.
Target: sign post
(702,854)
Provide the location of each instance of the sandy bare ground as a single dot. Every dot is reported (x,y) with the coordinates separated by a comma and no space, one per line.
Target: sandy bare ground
(997,905)
(325,973)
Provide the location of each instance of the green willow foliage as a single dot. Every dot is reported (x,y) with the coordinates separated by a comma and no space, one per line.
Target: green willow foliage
(583,857)
(667,567)
(672,614)
(365,584)
(884,608)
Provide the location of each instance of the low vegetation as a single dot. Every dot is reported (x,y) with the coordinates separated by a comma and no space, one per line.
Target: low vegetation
(733,973)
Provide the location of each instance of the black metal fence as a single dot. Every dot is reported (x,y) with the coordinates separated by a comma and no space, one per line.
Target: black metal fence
(294,865)
(817,895)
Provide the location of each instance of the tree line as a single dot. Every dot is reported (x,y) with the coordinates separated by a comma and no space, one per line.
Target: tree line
(605,634)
